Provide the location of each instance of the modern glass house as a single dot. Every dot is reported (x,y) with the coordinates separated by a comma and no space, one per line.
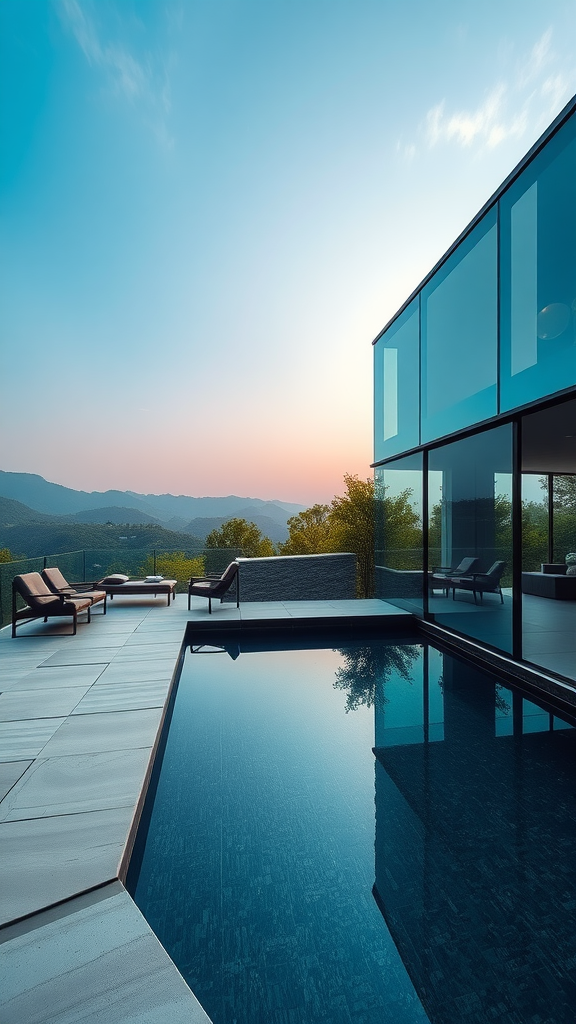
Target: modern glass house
(475,424)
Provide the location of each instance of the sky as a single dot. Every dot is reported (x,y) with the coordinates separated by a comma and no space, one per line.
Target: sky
(209,209)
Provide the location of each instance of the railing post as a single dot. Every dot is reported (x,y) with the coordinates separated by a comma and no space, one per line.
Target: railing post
(84,565)
(44,561)
(154,570)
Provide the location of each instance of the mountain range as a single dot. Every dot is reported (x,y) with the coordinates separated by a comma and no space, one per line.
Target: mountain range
(27,498)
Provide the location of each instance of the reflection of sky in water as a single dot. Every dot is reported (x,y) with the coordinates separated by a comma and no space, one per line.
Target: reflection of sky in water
(259,866)
(273,820)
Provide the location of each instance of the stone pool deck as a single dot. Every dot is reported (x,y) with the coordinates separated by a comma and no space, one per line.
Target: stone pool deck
(80,717)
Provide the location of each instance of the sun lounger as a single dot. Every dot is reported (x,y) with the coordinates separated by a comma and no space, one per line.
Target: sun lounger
(41,603)
(58,584)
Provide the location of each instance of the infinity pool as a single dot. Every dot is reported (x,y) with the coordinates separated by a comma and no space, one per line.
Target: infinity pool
(367,832)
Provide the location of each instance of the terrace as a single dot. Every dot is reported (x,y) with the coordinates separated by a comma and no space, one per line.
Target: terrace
(80,719)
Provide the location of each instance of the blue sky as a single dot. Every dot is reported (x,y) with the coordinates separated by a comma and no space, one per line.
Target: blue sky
(209,208)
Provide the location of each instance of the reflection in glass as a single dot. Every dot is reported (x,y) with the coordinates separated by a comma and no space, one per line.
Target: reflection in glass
(538,275)
(470,516)
(399,552)
(459,335)
(474,851)
(564,515)
(534,521)
(396,385)
(549,538)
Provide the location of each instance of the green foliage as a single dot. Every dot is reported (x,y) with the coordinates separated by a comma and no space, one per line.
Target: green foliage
(39,538)
(534,535)
(174,565)
(347,524)
(401,530)
(6,555)
(564,492)
(309,533)
(242,535)
(352,519)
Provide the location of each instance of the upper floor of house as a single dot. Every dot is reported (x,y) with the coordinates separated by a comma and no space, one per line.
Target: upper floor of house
(492,328)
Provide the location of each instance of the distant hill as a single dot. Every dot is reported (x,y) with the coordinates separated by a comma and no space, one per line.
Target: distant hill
(112,514)
(14,513)
(53,499)
(201,527)
(42,538)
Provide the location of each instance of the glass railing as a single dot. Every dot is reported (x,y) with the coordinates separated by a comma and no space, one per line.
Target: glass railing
(93,564)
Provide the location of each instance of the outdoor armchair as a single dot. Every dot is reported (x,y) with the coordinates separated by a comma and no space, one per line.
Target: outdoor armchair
(215,586)
(41,603)
(442,575)
(481,582)
(58,584)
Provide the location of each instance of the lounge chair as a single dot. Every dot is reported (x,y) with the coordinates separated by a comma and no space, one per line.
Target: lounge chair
(57,583)
(215,586)
(41,603)
(481,582)
(441,575)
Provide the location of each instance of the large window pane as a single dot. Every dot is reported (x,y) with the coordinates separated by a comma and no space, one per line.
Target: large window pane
(459,336)
(538,275)
(564,516)
(399,557)
(470,517)
(535,540)
(548,537)
(396,386)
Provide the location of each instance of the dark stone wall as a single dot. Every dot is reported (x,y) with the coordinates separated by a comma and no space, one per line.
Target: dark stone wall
(297,578)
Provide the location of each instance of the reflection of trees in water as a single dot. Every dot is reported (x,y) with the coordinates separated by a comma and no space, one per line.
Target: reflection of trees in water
(367,667)
(503,700)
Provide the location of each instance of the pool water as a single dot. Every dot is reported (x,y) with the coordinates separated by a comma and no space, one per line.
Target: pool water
(372,833)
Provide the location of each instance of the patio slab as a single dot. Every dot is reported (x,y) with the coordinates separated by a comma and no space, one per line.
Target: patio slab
(81,655)
(76,783)
(18,705)
(96,959)
(115,730)
(22,740)
(49,859)
(10,772)
(123,697)
(64,675)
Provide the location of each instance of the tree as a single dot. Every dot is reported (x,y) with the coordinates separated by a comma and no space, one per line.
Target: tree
(564,489)
(6,555)
(352,518)
(242,535)
(309,532)
(400,531)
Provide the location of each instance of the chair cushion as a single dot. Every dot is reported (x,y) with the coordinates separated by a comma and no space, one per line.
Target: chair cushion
(115,579)
(55,579)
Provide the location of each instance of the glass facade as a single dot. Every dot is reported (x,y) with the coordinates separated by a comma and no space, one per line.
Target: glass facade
(396,385)
(475,527)
(538,275)
(470,517)
(460,336)
(399,569)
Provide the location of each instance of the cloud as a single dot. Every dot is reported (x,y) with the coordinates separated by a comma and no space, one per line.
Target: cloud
(487,124)
(136,82)
(527,100)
